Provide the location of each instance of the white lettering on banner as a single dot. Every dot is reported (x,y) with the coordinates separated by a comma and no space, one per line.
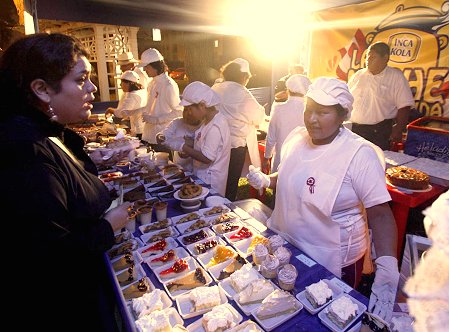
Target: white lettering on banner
(341,284)
(306,260)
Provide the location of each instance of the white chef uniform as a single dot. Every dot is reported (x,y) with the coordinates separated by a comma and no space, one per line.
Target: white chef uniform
(132,105)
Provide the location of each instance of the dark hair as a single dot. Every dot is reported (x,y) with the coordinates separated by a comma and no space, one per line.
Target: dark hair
(160,66)
(380,48)
(133,86)
(341,111)
(49,57)
(231,72)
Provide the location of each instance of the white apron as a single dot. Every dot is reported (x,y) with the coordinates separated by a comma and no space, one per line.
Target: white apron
(306,193)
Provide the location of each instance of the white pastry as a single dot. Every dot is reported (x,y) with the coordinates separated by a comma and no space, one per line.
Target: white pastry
(255,292)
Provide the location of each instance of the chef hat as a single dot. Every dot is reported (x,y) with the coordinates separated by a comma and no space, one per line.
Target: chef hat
(150,55)
(131,76)
(329,91)
(298,83)
(125,58)
(244,65)
(197,92)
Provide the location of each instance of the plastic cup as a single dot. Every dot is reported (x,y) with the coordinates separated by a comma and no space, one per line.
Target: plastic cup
(161,210)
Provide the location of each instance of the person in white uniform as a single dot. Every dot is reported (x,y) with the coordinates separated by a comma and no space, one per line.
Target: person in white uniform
(132,102)
(330,182)
(175,133)
(382,99)
(211,148)
(126,62)
(285,117)
(163,100)
(244,114)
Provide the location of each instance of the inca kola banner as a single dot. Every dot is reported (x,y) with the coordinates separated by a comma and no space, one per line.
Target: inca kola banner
(416,31)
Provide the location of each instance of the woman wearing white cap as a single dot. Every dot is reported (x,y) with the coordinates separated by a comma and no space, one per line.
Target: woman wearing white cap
(284,118)
(132,102)
(243,113)
(211,148)
(328,177)
(163,100)
(126,62)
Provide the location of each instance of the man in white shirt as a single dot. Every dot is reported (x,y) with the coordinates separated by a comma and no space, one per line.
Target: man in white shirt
(382,99)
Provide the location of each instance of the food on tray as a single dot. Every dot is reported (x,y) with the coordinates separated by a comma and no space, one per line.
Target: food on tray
(123,262)
(235,265)
(275,241)
(152,177)
(283,254)
(160,235)
(156,226)
(223,218)
(111,176)
(226,227)
(147,303)
(255,292)
(156,321)
(243,277)
(216,210)
(160,183)
(269,267)
(164,189)
(169,256)
(178,267)
(287,277)
(243,233)
(256,240)
(407,177)
(125,247)
(189,281)
(219,319)
(195,237)
(247,326)
(170,169)
(189,217)
(342,311)
(127,276)
(318,294)
(190,190)
(135,194)
(260,252)
(122,236)
(183,180)
(205,297)
(221,254)
(196,225)
(201,248)
(156,248)
(179,174)
(278,303)
(137,289)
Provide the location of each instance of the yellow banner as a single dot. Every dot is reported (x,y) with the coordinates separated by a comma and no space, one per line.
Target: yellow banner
(417,32)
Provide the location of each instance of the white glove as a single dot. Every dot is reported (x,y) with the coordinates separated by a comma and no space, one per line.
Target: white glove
(257,178)
(383,290)
(150,119)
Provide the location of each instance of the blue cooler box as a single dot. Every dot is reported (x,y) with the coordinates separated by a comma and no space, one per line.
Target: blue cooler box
(428,137)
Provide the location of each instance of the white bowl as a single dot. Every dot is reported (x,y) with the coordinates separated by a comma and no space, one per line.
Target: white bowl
(212,201)
(190,208)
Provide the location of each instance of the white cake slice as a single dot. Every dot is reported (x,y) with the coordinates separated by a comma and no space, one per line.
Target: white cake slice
(255,292)
(205,297)
(147,303)
(278,303)
(318,294)
(243,277)
(157,321)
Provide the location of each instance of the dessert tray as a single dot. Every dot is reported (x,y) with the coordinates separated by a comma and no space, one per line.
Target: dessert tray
(243,247)
(227,227)
(192,248)
(247,325)
(166,303)
(173,317)
(226,285)
(214,210)
(175,292)
(204,193)
(191,238)
(192,226)
(206,258)
(158,247)
(143,228)
(250,307)
(179,252)
(158,235)
(336,291)
(242,233)
(197,326)
(326,321)
(407,190)
(189,263)
(186,307)
(187,217)
(216,270)
(150,288)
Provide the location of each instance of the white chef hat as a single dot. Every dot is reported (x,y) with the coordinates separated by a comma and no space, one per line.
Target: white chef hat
(125,58)
(197,92)
(150,55)
(298,83)
(244,65)
(329,91)
(131,76)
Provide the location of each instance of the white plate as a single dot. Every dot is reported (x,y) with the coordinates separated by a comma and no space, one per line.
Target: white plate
(242,247)
(151,287)
(173,317)
(208,233)
(176,220)
(177,293)
(326,321)
(143,227)
(180,252)
(171,244)
(197,326)
(216,228)
(186,308)
(140,273)
(248,325)
(222,218)
(271,323)
(248,308)
(166,303)
(216,269)
(227,286)
(336,291)
(192,247)
(192,265)
(182,228)
(136,258)
(228,236)
(408,190)
(120,249)
(215,200)
(204,193)
(205,258)
(209,211)
(172,232)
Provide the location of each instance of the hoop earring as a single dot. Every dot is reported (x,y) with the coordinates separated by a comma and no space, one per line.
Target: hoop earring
(51,112)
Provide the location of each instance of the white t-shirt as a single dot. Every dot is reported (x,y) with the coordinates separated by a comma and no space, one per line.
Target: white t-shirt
(284,118)
(131,105)
(378,97)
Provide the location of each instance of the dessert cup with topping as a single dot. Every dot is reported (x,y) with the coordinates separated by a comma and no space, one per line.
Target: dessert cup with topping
(287,277)
(269,267)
